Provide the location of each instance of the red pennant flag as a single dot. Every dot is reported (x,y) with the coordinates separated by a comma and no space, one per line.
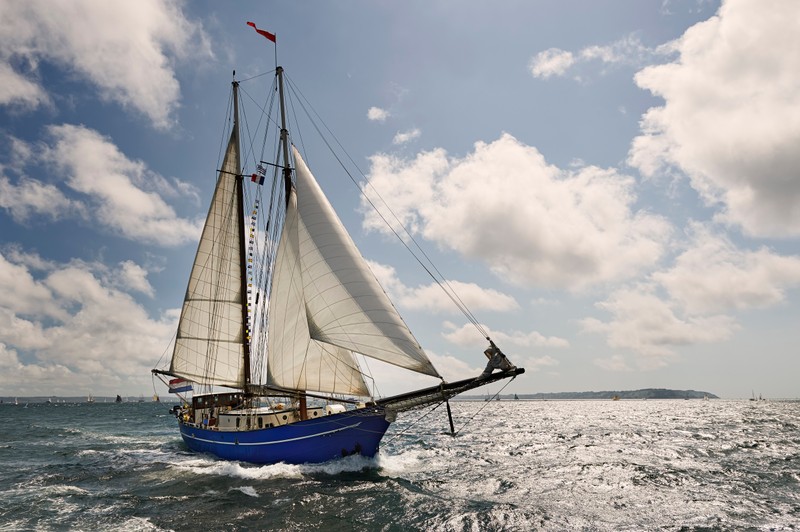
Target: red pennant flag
(268,35)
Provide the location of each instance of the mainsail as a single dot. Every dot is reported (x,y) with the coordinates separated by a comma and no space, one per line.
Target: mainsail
(209,347)
(326,304)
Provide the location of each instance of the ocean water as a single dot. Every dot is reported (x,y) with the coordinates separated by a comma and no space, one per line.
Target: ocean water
(515,465)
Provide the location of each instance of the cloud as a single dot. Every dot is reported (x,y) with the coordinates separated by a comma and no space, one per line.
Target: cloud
(15,254)
(119,190)
(18,378)
(628,50)
(531,223)
(712,275)
(125,49)
(533,364)
(551,62)
(21,294)
(134,277)
(466,336)
(613,363)
(30,197)
(731,116)
(392,380)
(688,303)
(403,137)
(74,327)
(377,114)
(652,328)
(18,91)
(433,298)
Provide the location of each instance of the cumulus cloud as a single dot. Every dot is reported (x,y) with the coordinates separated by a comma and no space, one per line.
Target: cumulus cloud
(46,321)
(19,91)
(377,114)
(691,301)
(406,136)
(652,327)
(391,380)
(532,223)
(713,275)
(613,363)
(119,190)
(21,294)
(32,260)
(125,49)
(19,378)
(467,336)
(551,62)
(533,364)
(433,298)
(731,115)
(134,277)
(30,197)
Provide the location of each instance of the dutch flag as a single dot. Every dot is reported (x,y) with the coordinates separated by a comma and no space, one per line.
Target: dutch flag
(179,386)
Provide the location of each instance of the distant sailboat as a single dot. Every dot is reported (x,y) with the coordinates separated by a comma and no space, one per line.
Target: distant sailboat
(119,399)
(90,399)
(279,321)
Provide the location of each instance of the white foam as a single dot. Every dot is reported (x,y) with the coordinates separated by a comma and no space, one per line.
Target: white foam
(137,524)
(248,490)
(238,470)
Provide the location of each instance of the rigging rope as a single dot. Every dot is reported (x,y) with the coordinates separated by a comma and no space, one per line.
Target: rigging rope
(414,423)
(484,406)
(446,287)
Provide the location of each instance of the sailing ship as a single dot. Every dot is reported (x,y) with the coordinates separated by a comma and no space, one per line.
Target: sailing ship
(278,309)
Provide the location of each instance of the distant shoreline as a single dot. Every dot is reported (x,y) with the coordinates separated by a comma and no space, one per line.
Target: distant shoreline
(55,399)
(646,393)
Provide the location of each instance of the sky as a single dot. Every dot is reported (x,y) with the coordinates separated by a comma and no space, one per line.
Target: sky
(612,188)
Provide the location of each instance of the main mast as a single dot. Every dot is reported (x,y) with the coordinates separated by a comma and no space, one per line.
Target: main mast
(242,239)
(287,183)
(287,169)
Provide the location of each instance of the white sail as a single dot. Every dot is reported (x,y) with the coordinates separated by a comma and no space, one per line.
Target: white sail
(209,346)
(296,360)
(323,290)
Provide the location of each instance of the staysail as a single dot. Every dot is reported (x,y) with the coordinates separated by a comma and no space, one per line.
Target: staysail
(296,361)
(326,304)
(209,347)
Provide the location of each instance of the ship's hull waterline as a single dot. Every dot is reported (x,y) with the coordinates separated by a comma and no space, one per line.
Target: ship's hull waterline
(316,440)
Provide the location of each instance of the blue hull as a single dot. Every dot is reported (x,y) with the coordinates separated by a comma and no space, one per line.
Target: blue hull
(311,441)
